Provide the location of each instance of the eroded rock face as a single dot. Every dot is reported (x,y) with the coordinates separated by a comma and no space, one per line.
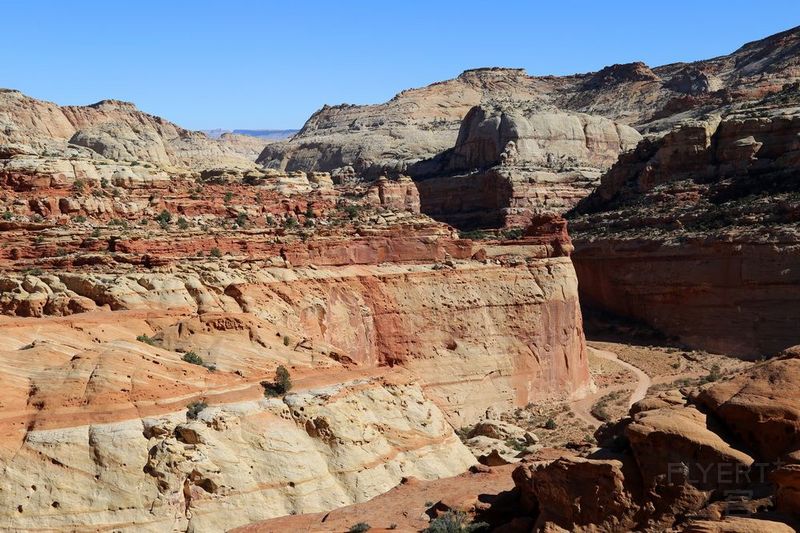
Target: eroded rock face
(511,162)
(761,408)
(418,124)
(538,137)
(697,234)
(115,131)
(521,325)
(147,304)
(400,194)
(312,451)
(678,462)
(577,494)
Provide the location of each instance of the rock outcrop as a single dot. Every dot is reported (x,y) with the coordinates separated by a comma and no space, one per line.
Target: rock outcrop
(418,124)
(314,450)
(688,465)
(111,130)
(698,233)
(148,299)
(511,162)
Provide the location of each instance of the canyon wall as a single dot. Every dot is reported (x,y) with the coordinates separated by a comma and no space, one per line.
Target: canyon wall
(511,162)
(697,233)
(386,360)
(417,124)
(735,298)
(147,304)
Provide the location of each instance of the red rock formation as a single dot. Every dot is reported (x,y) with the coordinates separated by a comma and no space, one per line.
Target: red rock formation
(678,462)
(697,234)
(399,195)
(136,281)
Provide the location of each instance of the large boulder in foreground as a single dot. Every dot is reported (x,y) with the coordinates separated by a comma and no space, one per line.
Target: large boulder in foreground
(716,461)
(761,408)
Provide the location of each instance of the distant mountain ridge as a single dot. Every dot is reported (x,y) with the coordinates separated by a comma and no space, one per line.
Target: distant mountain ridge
(417,124)
(275,135)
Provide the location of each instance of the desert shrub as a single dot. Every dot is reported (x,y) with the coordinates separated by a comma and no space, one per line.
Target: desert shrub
(80,219)
(216,252)
(351,211)
(79,185)
(550,424)
(96,233)
(713,375)
(241,219)
(194,408)
(512,234)
(228,197)
(145,339)
(183,223)
(7,215)
(516,444)
(281,385)
(193,358)
(286,340)
(290,223)
(283,380)
(455,522)
(164,218)
(361,527)
(476,235)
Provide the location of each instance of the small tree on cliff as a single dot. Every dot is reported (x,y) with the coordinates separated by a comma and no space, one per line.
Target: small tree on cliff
(283,381)
(281,385)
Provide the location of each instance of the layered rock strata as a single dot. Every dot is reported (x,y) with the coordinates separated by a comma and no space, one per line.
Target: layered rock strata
(418,124)
(147,305)
(510,163)
(698,233)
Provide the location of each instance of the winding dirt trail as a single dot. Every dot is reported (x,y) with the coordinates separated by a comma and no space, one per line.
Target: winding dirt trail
(583,407)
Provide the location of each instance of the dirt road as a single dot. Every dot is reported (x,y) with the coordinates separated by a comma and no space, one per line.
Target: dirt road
(583,407)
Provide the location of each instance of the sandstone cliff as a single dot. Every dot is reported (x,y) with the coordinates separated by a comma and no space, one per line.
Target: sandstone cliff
(697,233)
(111,130)
(147,299)
(511,162)
(419,123)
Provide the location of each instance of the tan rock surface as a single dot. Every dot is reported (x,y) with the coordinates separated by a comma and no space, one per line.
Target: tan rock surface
(119,276)
(419,123)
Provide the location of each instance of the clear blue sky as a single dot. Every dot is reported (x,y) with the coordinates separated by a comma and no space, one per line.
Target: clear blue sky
(269,64)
